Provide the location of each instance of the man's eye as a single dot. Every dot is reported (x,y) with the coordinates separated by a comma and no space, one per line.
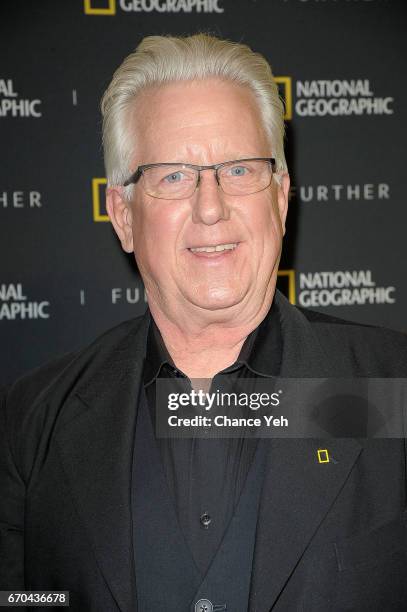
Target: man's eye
(238,171)
(174,177)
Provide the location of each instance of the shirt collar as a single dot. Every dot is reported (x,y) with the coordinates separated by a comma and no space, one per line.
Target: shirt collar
(261,352)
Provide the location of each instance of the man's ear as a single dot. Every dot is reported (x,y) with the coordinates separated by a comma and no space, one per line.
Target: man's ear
(283,191)
(119,211)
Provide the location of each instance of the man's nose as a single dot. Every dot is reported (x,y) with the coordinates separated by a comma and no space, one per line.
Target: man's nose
(208,202)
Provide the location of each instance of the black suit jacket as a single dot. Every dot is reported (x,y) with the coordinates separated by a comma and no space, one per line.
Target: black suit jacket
(330,536)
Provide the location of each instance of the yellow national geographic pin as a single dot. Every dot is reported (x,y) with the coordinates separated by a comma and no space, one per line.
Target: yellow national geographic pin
(323,456)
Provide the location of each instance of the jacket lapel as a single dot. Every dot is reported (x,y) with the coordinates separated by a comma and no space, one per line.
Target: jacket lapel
(298,490)
(96,447)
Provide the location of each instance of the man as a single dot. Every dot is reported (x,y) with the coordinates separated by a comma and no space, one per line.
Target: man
(92,501)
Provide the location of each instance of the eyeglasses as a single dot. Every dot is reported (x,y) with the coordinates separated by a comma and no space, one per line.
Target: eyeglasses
(175,181)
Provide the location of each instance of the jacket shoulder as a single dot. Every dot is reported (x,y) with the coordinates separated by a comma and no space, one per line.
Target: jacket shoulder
(375,351)
(35,382)
(34,402)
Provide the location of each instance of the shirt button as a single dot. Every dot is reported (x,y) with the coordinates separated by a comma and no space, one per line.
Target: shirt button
(206,520)
(204,605)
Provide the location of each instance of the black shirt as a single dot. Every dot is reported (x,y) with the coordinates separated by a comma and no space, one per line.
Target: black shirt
(206,476)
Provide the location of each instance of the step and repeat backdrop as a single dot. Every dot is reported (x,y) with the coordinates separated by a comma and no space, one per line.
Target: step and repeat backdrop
(340,66)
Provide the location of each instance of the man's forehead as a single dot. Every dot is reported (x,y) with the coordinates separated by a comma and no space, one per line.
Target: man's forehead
(184,117)
(199,100)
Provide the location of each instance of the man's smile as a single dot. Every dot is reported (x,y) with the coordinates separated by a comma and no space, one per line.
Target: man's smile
(215,251)
(212,248)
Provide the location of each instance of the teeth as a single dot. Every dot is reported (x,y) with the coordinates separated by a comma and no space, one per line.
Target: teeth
(212,249)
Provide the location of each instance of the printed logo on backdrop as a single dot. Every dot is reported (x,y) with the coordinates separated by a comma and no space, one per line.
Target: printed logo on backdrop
(15,305)
(332,98)
(285,89)
(286,284)
(117,296)
(333,193)
(20,199)
(13,104)
(334,288)
(110,7)
(98,200)
(128,295)
(342,288)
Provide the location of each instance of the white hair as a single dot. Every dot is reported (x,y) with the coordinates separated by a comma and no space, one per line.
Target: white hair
(163,59)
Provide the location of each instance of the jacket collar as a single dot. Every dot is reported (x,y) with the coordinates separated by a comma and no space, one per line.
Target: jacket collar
(260,352)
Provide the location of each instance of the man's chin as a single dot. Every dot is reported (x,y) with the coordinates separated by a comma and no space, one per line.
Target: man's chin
(217,300)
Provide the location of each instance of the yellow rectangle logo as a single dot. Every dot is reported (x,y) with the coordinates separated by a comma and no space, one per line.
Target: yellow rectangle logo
(110,9)
(97,183)
(287,95)
(323,455)
(289,287)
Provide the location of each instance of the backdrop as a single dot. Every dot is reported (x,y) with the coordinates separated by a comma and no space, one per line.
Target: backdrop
(340,66)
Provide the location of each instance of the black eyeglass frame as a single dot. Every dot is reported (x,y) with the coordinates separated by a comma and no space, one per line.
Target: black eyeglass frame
(134,178)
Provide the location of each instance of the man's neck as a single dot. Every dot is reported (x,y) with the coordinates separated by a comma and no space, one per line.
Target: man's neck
(201,351)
